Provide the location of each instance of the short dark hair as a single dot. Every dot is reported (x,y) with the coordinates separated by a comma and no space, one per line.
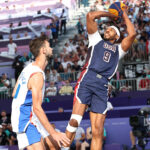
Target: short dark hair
(36,44)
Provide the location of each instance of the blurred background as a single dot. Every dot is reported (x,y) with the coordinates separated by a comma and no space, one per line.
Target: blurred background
(127,125)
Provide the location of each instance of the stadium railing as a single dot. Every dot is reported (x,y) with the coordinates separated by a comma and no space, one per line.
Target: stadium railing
(134,84)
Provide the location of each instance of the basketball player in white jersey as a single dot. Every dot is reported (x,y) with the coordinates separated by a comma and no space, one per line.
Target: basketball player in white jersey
(28,118)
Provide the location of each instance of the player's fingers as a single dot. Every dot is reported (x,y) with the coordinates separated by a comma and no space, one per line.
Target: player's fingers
(59,143)
(65,138)
(63,143)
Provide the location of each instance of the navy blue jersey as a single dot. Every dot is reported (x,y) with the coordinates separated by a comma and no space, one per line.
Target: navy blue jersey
(103,56)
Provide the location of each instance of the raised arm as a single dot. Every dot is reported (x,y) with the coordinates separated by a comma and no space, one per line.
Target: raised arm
(90,20)
(127,42)
(35,84)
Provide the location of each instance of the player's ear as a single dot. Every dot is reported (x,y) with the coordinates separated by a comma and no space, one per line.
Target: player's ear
(43,49)
(117,37)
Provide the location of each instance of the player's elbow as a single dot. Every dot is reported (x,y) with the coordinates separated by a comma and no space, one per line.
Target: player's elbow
(133,34)
(36,109)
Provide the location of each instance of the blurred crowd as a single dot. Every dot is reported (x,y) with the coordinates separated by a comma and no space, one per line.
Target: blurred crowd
(81,141)
(64,69)
(7,136)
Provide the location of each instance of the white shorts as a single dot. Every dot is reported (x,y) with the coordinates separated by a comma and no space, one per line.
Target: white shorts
(39,126)
(29,137)
(32,134)
(41,129)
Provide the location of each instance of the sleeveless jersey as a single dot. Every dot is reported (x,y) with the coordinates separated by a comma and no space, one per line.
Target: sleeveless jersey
(22,113)
(102,57)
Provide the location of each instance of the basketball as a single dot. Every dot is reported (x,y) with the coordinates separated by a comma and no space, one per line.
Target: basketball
(117,9)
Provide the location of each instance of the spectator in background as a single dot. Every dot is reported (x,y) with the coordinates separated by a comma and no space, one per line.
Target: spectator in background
(30,23)
(79,138)
(104,137)
(83,53)
(57,22)
(74,46)
(65,62)
(54,32)
(60,69)
(5,80)
(142,49)
(60,110)
(51,90)
(18,36)
(49,11)
(4,117)
(6,130)
(99,5)
(63,19)
(79,26)
(12,47)
(12,136)
(25,59)
(75,66)
(49,35)
(4,86)
(68,48)
(133,141)
(69,68)
(3,137)
(66,89)
(20,23)
(111,90)
(18,66)
(47,75)
(56,63)
(86,144)
(74,57)
(26,34)
(11,26)
(85,3)
(125,88)
(81,62)
(60,83)
(54,76)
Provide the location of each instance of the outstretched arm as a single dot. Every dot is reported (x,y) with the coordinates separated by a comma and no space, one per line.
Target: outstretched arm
(90,20)
(127,42)
(35,84)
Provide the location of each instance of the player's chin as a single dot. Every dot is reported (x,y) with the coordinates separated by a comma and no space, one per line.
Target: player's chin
(106,38)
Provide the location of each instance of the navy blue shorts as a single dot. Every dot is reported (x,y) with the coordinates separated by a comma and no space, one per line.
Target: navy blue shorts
(92,89)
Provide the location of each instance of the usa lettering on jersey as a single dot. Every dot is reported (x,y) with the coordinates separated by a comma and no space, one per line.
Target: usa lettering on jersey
(109,47)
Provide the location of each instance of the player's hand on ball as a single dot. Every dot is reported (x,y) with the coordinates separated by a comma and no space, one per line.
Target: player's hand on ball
(114,17)
(61,139)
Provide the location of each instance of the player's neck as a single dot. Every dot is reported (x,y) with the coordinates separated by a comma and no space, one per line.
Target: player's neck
(112,41)
(41,63)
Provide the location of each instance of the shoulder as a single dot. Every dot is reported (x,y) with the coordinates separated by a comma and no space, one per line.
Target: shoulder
(36,78)
(121,51)
(94,38)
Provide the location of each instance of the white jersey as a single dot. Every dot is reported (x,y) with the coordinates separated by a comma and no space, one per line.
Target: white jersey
(22,111)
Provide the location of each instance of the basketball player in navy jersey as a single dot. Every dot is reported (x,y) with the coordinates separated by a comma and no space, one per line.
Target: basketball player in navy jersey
(101,64)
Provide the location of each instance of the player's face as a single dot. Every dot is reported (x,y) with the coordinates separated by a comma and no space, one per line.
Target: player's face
(49,50)
(110,34)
